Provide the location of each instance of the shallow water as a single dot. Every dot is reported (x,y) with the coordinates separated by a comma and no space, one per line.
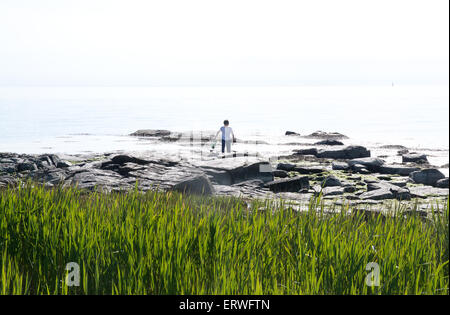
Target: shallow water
(98,119)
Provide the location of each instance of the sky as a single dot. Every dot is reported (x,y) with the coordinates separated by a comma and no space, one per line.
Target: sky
(208,42)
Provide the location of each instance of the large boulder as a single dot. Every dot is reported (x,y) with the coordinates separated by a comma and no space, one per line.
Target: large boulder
(350,152)
(414,158)
(295,184)
(331,181)
(198,185)
(428,176)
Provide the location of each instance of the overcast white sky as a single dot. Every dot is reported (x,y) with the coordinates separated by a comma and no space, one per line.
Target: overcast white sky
(229,42)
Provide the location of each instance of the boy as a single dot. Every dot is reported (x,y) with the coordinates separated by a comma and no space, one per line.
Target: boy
(227,136)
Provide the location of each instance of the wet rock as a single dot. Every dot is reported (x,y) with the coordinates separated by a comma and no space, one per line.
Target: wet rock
(428,176)
(442,183)
(329,142)
(198,185)
(414,158)
(371,164)
(294,184)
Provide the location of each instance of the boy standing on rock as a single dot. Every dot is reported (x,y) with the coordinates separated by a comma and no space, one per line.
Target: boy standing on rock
(227,136)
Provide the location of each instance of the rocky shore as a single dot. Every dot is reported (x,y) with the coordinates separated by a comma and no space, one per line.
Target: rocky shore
(341,173)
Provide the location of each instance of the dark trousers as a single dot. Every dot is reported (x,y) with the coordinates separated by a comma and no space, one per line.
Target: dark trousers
(223,146)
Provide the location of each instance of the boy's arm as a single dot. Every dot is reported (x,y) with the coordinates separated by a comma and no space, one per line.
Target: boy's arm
(234,138)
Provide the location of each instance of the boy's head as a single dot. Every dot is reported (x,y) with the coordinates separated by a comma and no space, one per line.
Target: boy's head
(226,122)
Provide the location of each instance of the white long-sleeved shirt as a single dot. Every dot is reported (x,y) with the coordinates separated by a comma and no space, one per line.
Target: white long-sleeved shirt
(227,133)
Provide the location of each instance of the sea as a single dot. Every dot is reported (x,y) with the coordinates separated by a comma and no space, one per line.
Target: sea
(77,120)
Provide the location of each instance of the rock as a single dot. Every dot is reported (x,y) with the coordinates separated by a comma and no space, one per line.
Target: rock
(340,166)
(326,135)
(285,167)
(359,168)
(8,168)
(233,171)
(280,173)
(372,164)
(332,191)
(331,181)
(398,170)
(310,151)
(63,164)
(329,142)
(126,168)
(442,183)
(151,133)
(198,185)
(350,189)
(400,193)
(220,177)
(428,191)
(402,152)
(393,147)
(308,170)
(26,166)
(350,152)
(122,159)
(379,194)
(414,158)
(259,170)
(294,184)
(291,133)
(428,176)
(7,180)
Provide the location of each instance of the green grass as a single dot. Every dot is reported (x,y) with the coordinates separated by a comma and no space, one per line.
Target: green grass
(167,243)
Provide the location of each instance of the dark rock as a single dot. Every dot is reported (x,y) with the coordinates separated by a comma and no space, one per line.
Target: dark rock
(122,159)
(8,168)
(332,191)
(280,173)
(285,167)
(340,166)
(393,147)
(198,185)
(414,158)
(329,142)
(6,180)
(350,152)
(326,135)
(151,133)
(372,164)
(126,168)
(359,168)
(220,177)
(308,170)
(350,189)
(63,164)
(291,133)
(331,181)
(26,166)
(259,170)
(400,193)
(428,176)
(398,170)
(294,184)
(310,151)
(442,183)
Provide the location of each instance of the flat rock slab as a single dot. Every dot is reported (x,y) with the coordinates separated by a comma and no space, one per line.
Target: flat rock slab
(428,191)
(295,184)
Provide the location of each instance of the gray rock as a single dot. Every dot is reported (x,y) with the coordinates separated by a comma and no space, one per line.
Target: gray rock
(428,191)
(398,170)
(63,164)
(310,151)
(379,194)
(428,176)
(340,166)
(308,170)
(122,159)
(294,184)
(286,167)
(26,166)
(359,168)
(400,193)
(198,185)
(372,164)
(8,168)
(414,158)
(291,133)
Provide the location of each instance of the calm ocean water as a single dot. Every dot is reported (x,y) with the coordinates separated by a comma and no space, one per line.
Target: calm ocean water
(96,119)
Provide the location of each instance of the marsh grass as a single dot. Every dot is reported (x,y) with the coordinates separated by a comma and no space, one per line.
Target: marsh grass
(168,243)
